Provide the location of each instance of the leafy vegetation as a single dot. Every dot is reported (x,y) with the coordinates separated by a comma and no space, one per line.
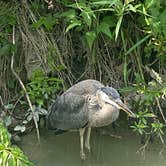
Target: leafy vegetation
(41,87)
(147,103)
(11,155)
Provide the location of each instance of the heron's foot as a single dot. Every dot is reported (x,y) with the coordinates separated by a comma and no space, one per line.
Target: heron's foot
(82,155)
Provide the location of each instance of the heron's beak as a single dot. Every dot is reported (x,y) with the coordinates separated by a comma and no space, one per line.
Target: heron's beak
(116,102)
(120,105)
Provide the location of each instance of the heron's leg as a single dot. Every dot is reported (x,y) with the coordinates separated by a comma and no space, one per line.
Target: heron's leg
(87,141)
(82,154)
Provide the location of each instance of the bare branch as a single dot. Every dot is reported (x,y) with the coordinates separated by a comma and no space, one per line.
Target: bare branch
(161,111)
(22,85)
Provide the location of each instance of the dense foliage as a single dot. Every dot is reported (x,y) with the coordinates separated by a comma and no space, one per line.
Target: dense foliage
(10,155)
(56,43)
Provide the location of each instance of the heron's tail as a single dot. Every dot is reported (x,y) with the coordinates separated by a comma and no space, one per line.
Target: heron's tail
(49,120)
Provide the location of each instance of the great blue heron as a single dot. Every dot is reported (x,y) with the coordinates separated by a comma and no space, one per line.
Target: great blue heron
(87,104)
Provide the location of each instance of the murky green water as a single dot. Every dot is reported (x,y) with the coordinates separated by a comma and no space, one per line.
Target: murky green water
(63,150)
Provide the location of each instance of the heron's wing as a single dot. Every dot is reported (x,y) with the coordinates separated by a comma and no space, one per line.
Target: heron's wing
(68,112)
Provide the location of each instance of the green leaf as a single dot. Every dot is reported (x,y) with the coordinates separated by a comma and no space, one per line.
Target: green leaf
(29,117)
(105,28)
(73,24)
(132,8)
(87,18)
(48,22)
(144,121)
(78,5)
(110,20)
(118,27)
(140,131)
(110,3)
(149,115)
(70,14)
(163,22)
(40,101)
(20,128)
(137,44)
(24,121)
(5,157)
(4,136)
(38,23)
(125,71)
(90,38)
(60,67)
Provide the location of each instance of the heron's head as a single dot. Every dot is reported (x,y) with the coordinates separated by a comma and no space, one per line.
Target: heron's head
(110,96)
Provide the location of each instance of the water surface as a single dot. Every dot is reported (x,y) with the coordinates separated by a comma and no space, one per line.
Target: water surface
(63,150)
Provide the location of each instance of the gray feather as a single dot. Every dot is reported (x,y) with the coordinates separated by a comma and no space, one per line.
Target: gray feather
(85,87)
(68,112)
